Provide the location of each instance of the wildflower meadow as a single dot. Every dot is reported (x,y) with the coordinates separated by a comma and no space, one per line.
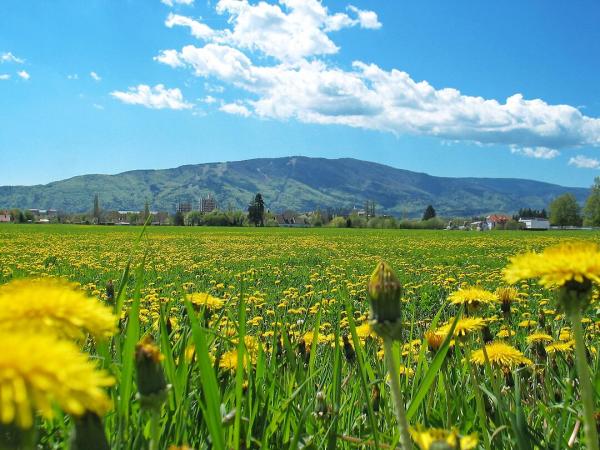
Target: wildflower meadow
(214,338)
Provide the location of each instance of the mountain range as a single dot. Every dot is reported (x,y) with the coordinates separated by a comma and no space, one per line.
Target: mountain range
(297,183)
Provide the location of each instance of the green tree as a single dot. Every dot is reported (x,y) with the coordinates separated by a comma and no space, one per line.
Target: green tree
(256,211)
(565,211)
(316,220)
(591,210)
(429,213)
(178,219)
(96,212)
(194,218)
(146,212)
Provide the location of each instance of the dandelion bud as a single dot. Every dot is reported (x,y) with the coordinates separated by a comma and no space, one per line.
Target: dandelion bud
(349,352)
(303,352)
(110,291)
(574,296)
(88,433)
(321,408)
(486,334)
(152,387)
(375,398)
(386,308)
(542,319)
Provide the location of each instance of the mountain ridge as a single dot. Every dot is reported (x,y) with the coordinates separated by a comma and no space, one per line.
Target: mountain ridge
(293,182)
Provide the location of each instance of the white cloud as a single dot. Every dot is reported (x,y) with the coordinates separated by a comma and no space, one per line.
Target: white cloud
(177,2)
(157,97)
(290,31)
(214,88)
(536,152)
(584,162)
(235,108)
(95,76)
(4,76)
(24,75)
(198,29)
(366,19)
(209,99)
(169,57)
(73,76)
(8,57)
(98,106)
(272,53)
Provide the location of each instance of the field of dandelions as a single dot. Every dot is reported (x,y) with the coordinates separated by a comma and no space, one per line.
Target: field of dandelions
(179,338)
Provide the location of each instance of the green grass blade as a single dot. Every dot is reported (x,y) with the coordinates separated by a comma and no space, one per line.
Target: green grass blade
(210,387)
(432,372)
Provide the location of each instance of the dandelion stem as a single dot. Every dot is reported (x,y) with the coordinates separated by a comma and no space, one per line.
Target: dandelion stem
(587,394)
(393,372)
(154,428)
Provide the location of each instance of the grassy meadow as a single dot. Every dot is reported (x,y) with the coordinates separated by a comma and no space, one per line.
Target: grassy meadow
(265,342)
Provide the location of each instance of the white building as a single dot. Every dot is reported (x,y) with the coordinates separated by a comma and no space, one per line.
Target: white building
(536,224)
(4,216)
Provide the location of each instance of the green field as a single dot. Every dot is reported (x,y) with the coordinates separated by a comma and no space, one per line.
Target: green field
(287,297)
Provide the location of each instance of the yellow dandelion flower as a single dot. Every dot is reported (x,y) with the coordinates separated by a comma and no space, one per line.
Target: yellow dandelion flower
(527,323)
(507,294)
(472,296)
(565,334)
(229,360)
(538,337)
(557,265)
(463,326)
(433,438)
(48,305)
(561,347)
(364,331)
(203,299)
(505,333)
(500,355)
(38,372)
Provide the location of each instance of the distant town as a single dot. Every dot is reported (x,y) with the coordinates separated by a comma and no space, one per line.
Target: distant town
(564,213)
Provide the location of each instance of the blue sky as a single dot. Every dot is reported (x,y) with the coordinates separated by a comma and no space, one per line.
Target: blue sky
(503,89)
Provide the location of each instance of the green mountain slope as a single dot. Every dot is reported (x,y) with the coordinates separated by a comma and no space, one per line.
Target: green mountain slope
(298,183)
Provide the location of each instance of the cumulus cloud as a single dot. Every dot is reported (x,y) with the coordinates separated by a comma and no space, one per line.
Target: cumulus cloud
(4,76)
(8,57)
(536,152)
(584,162)
(24,75)
(366,19)
(290,31)
(197,29)
(236,109)
(177,2)
(273,54)
(95,76)
(157,97)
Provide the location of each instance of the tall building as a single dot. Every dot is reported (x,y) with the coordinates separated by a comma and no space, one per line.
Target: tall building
(208,204)
(184,207)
